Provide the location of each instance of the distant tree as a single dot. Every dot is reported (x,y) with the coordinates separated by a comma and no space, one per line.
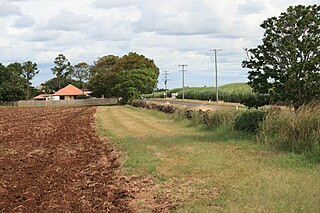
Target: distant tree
(62,68)
(130,84)
(286,67)
(29,70)
(81,72)
(51,85)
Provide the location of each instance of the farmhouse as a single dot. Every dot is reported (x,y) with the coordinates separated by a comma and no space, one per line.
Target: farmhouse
(68,93)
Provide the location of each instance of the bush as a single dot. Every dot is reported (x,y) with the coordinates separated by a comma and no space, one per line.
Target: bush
(296,131)
(249,121)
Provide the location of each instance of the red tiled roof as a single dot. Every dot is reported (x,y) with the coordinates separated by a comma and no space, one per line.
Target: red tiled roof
(69,90)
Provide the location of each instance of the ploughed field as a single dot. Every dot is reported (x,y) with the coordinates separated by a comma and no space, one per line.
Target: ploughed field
(52,161)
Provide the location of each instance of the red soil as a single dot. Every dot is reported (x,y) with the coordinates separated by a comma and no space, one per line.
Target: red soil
(52,161)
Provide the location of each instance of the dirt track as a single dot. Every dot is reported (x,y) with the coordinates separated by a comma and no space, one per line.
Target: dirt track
(52,161)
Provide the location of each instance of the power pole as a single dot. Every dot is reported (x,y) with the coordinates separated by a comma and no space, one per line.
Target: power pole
(216,66)
(183,70)
(166,73)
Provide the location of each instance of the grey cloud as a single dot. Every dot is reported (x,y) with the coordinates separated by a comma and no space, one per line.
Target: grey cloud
(250,7)
(69,21)
(109,4)
(42,36)
(7,9)
(187,23)
(24,21)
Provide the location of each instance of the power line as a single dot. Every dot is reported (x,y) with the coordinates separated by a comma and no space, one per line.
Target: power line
(216,66)
(166,73)
(183,70)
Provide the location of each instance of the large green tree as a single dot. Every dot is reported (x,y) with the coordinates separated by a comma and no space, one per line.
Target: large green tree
(11,82)
(102,76)
(286,66)
(114,76)
(130,84)
(29,70)
(62,68)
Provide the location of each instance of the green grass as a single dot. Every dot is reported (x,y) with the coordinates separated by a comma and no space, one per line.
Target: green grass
(210,170)
(235,92)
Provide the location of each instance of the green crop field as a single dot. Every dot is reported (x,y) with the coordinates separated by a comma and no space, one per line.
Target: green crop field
(235,92)
(206,170)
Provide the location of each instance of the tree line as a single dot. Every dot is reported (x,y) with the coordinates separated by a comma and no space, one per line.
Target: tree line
(284,69)
(128,77)
(15,81)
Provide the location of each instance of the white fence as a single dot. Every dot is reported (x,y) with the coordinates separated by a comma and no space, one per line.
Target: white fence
(76,102)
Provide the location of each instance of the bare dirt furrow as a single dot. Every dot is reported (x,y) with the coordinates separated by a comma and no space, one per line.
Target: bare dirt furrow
(52,161)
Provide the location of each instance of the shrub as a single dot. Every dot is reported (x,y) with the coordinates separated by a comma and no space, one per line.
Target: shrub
(297,131)
(249,121)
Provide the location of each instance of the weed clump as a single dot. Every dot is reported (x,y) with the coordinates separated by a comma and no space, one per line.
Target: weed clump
(250,120)
(295,131)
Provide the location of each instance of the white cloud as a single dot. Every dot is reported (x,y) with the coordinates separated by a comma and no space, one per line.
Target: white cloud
(169,31)
(8,9)
(24,21)
(109,4)
(67,20)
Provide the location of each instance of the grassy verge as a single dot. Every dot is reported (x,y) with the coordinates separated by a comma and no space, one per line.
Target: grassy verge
(208,171)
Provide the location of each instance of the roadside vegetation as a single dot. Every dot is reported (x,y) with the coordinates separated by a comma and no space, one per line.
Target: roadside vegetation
(285,130)
(198,168)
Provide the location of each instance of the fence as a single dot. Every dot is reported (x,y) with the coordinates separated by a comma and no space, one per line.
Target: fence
(9,104)
(76,102)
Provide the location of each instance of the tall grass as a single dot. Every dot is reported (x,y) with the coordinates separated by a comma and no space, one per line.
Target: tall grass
(296,131)
(235,92)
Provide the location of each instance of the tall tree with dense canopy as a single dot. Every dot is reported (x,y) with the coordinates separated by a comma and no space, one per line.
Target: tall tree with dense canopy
(81,72)
(29,70)
(130,84)
(62,68)
(11,82)
(114,76)
(102,76)
(286,67)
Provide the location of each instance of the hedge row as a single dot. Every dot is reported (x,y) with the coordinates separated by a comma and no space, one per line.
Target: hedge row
(248,121)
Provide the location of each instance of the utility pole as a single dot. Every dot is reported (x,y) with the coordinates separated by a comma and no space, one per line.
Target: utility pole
(183,70)
(166,73)
(216,66)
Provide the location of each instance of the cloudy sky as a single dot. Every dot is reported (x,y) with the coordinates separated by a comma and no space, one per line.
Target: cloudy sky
(171,32)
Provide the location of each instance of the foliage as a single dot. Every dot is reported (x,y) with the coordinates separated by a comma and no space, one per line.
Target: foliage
(62,68)
(249,121)
(135,61)
(81,72)
(102,76)
(236,92)
(297,131)
(132,83)
(255,101)
(114,76)
(286,66)
(12,85)
(29,70)
(51,85)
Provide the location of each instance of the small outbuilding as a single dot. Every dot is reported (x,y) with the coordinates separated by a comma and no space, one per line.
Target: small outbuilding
(42,97)
(68,93)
